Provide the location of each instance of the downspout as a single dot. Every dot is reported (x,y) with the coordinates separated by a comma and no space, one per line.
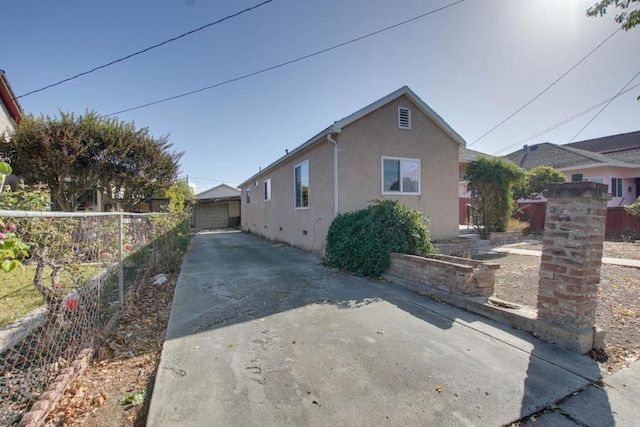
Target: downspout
(335,172)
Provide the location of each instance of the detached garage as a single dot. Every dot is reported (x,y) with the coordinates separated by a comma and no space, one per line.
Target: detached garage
(218,207)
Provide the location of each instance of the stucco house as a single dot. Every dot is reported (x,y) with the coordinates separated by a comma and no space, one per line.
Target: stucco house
(613,160)
(395,148)
(217,207)
(10,110)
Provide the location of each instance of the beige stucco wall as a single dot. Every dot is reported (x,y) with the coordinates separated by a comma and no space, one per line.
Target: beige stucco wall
(234,208)
(362,145)
(277,219)
(364,142)
(6,124)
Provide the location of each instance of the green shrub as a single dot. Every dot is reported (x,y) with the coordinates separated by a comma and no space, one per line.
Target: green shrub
(634,209)
(362,241)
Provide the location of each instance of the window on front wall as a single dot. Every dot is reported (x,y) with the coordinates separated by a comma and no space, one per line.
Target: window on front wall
(598,180)
(267,189)
(247,196)
(400,176)
(301,177)
(616,187)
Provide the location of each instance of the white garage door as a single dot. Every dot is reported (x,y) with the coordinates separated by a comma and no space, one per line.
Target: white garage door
(212,216)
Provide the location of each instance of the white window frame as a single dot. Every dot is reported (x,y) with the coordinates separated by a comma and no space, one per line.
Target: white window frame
(408,110)
(400,192)
(614,189)
(266,189)
(295,199)
(247,196)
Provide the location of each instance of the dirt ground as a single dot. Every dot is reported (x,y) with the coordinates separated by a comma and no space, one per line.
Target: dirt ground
(618,309)
(113,392)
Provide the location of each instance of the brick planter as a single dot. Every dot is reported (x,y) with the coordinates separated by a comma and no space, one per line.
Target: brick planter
(459,247)
(505,237)
(460,276)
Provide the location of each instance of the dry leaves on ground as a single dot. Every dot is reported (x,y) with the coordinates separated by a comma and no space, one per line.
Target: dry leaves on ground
(618,309)
(113,389)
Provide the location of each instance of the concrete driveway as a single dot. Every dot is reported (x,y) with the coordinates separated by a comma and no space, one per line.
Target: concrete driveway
(261,334)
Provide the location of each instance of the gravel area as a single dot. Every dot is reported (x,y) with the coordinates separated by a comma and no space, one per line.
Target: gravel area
(618,296)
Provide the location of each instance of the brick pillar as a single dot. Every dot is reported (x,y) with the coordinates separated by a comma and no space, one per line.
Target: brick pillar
(570,265)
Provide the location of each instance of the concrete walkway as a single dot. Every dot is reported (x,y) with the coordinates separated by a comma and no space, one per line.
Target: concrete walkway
(508,249)
(261,334)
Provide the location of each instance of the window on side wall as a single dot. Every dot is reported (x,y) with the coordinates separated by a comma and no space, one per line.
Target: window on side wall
(247,196)
(301,185)
(400,176)
(616,187)
(267,189)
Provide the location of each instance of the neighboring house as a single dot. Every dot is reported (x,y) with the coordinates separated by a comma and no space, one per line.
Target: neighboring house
(395,148)
(10,110)
(217,207)
(465,157)
(618,165)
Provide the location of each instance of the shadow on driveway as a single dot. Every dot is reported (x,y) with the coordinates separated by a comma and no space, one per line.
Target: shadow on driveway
(262,334)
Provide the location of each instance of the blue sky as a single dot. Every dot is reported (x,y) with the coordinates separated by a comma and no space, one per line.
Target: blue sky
(474,63)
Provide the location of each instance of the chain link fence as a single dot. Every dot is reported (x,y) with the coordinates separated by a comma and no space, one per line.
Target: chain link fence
(78,271)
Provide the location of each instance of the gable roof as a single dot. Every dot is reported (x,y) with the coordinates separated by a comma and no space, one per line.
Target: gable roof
(562,157)
(9,100)
(337,126)
(218,192)
(610,144)
(466,155)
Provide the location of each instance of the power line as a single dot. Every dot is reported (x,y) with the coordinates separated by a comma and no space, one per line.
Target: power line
(124,58)
(564,122)
(603,108)
(544,90)
(283,64)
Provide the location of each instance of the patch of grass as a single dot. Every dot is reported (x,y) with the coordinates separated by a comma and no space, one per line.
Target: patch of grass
(18,295)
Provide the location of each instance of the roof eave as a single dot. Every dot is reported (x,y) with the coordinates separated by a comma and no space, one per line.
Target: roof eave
(317,138)
(9,99)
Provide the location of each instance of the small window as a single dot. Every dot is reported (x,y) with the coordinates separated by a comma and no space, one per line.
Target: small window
(404,118)
(267,189)
(247,196)
(616,187)
(400,176)
(301,178)
(598,180)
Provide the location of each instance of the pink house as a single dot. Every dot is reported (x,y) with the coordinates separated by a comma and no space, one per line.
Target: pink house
(613,160)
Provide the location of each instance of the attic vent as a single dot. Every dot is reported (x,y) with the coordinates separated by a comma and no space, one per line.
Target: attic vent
(404,118)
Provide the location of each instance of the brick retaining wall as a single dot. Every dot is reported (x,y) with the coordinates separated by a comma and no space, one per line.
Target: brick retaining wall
(505,237)
(460,248)
(455,275)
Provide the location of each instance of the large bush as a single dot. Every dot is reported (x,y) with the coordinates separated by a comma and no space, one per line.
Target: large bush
(491,181)
(362,241)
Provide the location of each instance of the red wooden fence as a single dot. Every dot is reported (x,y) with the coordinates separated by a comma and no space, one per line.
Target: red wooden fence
(620,224)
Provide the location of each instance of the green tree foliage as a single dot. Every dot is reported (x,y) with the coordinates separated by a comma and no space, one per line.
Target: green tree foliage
(535,181)
(627,19)
(634,209)
(181,197)
(74,154)
(491,181)
(362,241)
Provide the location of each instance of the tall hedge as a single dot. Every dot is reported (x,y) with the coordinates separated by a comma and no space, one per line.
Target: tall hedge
(362,241)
